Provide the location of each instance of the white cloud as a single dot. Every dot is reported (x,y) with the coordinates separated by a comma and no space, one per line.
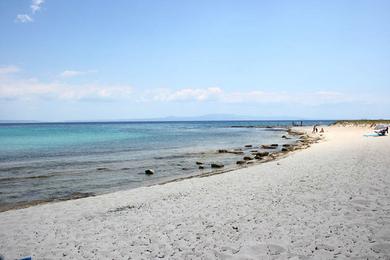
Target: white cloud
(9,69)
(257,96)
(33,88)
(251,96)
(186,94)
(21,88)
(74,73)
(36,5)
(24,18)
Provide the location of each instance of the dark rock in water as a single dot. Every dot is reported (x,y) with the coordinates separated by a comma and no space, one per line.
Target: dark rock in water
(125,168)
(286,145)
(248,145)
(185,169)
(228,151)
(102,169)
(254,151)
(201,167)
(265,146)
(149,171)
(283,136)
(247,158)
(284,149)
(262,154)
(199,163)
(240,162)
(217,165)
(258,157)
(275,145)
(250,162)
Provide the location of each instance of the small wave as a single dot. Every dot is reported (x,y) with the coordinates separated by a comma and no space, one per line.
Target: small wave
(8,179)
(25,204)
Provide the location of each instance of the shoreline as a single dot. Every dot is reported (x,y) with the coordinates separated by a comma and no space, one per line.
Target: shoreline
(299,144)
(329,201)
(272,157)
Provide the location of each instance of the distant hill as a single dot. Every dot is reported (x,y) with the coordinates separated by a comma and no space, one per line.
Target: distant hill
(18,121)
(208,117)
(216,117)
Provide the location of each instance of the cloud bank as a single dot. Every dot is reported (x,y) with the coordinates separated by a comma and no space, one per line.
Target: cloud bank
(13,88)
(9,69)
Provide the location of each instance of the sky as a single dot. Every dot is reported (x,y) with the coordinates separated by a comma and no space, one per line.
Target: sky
(128,59)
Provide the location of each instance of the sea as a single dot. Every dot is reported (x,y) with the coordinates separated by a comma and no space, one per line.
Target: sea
(41,162)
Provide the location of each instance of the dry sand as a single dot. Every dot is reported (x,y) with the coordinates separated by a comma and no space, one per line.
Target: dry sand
(329,201)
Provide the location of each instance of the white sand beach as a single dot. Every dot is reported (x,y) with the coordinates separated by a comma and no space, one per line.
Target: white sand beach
(331,200)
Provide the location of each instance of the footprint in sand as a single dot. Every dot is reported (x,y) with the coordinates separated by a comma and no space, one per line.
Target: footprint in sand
(381,248)
(263,249)
(383,234)
(275,249)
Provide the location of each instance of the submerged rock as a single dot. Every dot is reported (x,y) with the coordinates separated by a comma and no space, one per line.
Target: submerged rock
(230,151)
(266,146)
(240,162)
(274,145)
(149,172)
(201,167)
(102,169)
(199,163)
(262,154)
(248,145)
(217,165)
(247,158)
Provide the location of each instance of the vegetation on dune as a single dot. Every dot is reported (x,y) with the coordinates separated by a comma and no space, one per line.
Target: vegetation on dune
(362,122)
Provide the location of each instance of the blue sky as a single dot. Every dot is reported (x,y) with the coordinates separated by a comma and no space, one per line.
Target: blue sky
(92,60)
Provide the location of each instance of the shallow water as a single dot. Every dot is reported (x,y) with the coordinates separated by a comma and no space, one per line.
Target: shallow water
(48,161)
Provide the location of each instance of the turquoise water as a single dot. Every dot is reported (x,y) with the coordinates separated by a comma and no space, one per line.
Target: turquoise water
(58,160)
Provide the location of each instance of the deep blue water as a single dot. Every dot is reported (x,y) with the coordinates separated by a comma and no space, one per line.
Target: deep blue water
(45,161)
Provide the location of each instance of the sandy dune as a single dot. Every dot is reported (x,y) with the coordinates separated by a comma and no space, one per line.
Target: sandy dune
(329,201)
